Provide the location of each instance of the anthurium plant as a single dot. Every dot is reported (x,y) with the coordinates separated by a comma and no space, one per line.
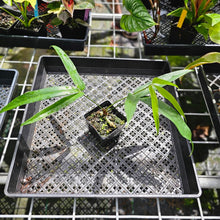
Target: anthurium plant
(139,18)
(146,93)
(200,17)
(64,11)
(22,6)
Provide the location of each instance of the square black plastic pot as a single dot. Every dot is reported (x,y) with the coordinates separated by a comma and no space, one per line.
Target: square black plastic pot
(40,29)
(6,30)
(78,31)
(111,139)
(177,3)
(182,35)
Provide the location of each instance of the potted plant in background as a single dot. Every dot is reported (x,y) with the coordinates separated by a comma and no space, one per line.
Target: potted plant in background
(6,22)
(145,93)
(26,24)
(140,19)
(198,19)
(71,16)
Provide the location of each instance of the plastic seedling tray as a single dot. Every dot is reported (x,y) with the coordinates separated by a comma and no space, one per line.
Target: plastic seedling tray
(209,80)
(58,156)
(8,79)
(161,45)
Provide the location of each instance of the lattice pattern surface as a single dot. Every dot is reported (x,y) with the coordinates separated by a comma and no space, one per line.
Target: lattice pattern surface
(65,158)
(214,83)
(4,93)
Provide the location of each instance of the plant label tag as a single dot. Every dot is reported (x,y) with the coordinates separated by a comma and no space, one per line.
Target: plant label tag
(182,18)
(36,14)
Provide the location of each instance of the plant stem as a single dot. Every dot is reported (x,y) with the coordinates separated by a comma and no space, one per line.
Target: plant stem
(92,101)
(119,100)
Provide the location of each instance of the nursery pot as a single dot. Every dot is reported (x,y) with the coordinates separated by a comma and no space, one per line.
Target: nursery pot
(77,31)
(177,3)
(6,23)
(67,31)
(184,35)
(37,29)
(101,128)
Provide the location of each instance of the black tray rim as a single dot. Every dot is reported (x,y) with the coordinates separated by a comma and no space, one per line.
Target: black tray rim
(179,49)
(59,195)
(208,97)
(12,88)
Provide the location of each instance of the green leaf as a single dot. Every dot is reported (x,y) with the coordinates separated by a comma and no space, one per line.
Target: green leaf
(176,13)
(163,82)
(214,33)
(54,5)
(8,2)
(62,103)
(172,76)
(171,99)
(70,68)
(173,116)
(213,57)
(130,106)
(139,18)
(201,8)
(193,9)
(32,2)
(88,4)
(56,21)
(154,104)
(203,29)
(212,18)
(186,3)
(38,95)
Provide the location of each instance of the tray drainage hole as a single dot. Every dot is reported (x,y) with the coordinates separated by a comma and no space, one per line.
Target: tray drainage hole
(46,167)
(130,189)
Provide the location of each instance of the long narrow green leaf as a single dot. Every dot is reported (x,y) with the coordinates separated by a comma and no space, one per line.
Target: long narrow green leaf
(154,103)
(62,103)
(39,95)
(163,82)
(172,76)
(173,116)
(177,12)
(70,68)
(130,106)
(213,57)
(171,99)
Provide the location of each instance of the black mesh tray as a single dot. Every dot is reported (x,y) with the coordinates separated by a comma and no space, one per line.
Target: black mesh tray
(161,46)
(53,37)
(209,79)
(58,157)
(8,80)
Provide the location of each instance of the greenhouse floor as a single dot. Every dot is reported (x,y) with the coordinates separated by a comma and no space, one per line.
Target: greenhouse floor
(107,42)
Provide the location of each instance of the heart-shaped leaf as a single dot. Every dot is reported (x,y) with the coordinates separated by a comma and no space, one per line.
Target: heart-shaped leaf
(214,33)
(139,18)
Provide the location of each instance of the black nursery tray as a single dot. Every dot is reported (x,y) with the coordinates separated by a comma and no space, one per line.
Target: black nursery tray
(58,156)
(8,79)
(53,37)
(161,46)
(209,78)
